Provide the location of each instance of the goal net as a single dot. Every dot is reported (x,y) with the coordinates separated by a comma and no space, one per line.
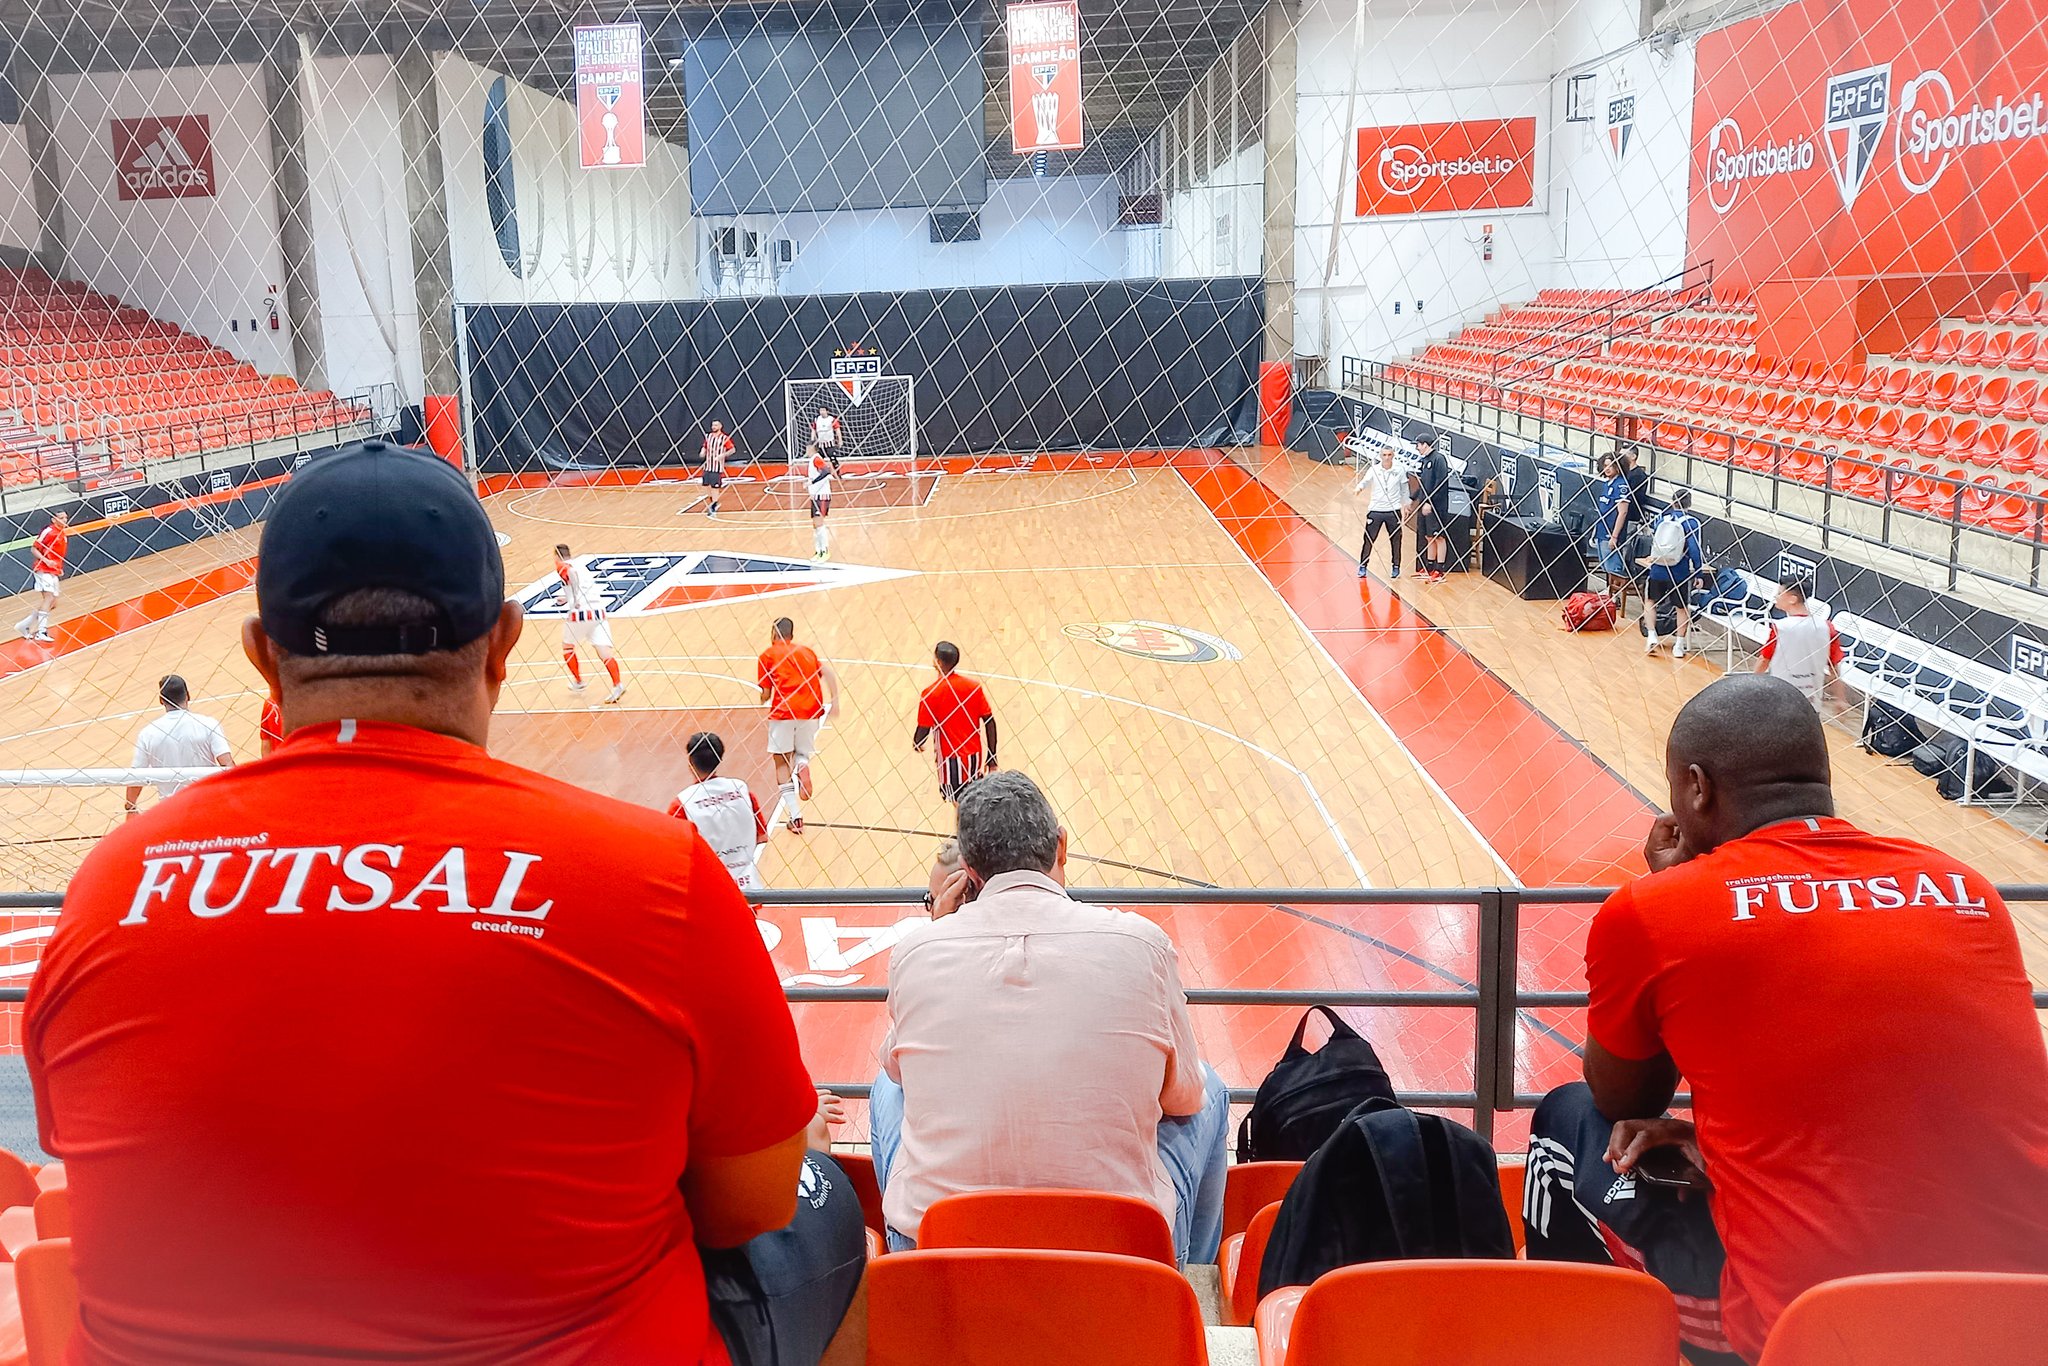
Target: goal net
(877,419)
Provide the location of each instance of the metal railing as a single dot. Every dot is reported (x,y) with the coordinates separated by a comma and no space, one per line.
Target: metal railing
(1844,483)
(205,439)
(1588,332)
(1494,994)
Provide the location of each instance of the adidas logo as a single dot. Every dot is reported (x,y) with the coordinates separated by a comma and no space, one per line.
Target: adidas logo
(163,167)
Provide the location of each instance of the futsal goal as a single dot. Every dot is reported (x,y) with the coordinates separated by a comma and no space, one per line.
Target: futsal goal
(877,419)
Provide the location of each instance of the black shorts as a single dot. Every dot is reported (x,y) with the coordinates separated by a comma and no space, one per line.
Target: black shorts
(1662,591)
(955,774)
(821,507)
(714,479)
(1428,521)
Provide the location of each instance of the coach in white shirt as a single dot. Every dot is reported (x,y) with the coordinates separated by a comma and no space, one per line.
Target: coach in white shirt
(1393,488)
(177,739)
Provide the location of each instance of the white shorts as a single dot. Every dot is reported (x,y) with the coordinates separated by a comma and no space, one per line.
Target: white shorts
(597,634)
(46,583)
(794,737)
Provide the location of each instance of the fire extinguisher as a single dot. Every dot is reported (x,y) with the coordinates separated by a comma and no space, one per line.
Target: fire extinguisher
(270,309)
(1485,249)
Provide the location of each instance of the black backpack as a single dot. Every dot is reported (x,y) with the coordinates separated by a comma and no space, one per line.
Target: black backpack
(1307,1095)
(1390,1184)
(1943,759)
(1891,731)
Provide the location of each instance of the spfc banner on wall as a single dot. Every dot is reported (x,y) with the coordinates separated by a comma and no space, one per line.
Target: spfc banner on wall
(608,95)
(1045,77)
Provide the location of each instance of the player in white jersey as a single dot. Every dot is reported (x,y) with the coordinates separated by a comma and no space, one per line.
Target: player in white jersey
(825,433)
(821,463)
(584,622)
(724,811)
(1803,649)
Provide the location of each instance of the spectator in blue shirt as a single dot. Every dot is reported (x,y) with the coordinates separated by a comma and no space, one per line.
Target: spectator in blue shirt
(1670,579)
(1610,528)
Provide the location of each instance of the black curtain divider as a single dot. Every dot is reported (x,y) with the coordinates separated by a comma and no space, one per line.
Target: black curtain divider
(1122,365)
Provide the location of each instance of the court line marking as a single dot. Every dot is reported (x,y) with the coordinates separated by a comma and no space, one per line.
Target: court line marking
(1315,797)
(1420,770)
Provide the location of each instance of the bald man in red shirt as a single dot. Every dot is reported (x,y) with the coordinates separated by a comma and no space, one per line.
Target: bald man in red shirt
(1856,1025)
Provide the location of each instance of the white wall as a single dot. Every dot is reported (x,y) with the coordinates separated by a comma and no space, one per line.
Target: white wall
(1217,224)
(585,236)
(362,238)
(200,263)
(1619,218)
(1425,62)
(1058,230)
(18,225)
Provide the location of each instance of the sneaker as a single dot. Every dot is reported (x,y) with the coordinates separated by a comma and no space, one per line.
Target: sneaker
(1361,571)
(1650,645)
(1678,648)
(1395,573)
(803,783)
(43,638)
(577,685)
(22,627)
(618,691)
(795,826)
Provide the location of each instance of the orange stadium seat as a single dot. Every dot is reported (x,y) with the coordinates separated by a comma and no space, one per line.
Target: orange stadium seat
(1079,1221)
(1474,1313)
(1999,310)
(1927,1318)
(1249,1187)
(49,1300)
(17,1183)
(1011,1307)
(1990,399)
(53,1213)
(2024,352)
(1243,1254)
(1969,349)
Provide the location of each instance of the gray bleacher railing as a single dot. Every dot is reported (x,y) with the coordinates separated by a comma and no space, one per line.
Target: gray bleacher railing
(1629,315)
(1495,996)
(1707,448)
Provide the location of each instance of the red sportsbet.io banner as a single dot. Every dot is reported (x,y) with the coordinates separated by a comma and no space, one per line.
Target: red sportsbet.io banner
(608,95)
(1045,77)
(1447,167)
(1872,137)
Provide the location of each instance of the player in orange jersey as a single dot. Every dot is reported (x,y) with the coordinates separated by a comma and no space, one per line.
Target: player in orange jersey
(800,690)
(585,624)
(49,574)
(957,709)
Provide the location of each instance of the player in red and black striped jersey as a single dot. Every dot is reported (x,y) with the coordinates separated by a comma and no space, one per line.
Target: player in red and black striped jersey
(717,450)
(957,709)
(49,574)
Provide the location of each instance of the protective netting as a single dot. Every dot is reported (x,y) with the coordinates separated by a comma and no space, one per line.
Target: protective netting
(239,235)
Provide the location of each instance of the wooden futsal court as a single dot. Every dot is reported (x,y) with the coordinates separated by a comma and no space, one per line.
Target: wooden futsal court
(1176,645)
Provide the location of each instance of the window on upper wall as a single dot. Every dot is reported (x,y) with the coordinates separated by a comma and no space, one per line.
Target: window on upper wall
(1578,98)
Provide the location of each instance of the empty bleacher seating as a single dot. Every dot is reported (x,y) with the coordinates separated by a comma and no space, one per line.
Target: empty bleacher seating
(1922,1319)
(89,388)
(1080,1221)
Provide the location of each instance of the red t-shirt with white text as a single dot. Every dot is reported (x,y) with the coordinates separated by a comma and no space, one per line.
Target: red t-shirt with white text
(1857,1027)
(382,1048)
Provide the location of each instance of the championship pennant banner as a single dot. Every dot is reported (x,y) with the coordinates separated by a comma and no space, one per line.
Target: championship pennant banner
(1872,137)
(1045,77)
(608,95)
(1474,164)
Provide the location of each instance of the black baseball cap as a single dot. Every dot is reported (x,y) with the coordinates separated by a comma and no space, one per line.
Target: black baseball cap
(375,515)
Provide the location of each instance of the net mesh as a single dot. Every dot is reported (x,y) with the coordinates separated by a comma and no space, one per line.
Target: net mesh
(237,234)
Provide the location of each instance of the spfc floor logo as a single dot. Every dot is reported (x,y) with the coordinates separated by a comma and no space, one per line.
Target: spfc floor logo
(1858,102)
(653,585)
(1156,640)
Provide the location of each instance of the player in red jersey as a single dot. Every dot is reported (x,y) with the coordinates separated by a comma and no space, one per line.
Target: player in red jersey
(717,450)
(800,690)
(958,710)
(49,574)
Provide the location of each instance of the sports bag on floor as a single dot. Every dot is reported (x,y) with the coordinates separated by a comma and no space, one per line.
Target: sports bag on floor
(1891,731)
(1389,1184)
(1590,611)
(1307,1095)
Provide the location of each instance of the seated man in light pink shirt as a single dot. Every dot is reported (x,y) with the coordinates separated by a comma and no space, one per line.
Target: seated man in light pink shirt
(1037,1041)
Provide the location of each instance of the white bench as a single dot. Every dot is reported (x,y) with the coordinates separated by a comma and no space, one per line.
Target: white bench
(2003,714)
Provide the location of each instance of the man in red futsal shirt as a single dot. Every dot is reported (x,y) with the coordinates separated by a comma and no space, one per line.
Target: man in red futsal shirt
(384,1049)
(957,710)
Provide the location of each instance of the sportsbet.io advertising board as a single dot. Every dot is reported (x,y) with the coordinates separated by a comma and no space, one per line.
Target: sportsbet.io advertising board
(1877,137)
(1473,164)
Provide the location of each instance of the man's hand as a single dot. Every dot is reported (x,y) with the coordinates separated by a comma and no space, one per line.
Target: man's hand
(831,1110)
(1665,848)
(1634,1137)
(958,891)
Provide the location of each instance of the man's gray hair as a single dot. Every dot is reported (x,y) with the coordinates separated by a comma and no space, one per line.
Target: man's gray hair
(1007,826)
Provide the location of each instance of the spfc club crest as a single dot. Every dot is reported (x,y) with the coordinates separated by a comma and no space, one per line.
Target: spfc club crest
(1621,122)
(1858,104)
(856,373)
